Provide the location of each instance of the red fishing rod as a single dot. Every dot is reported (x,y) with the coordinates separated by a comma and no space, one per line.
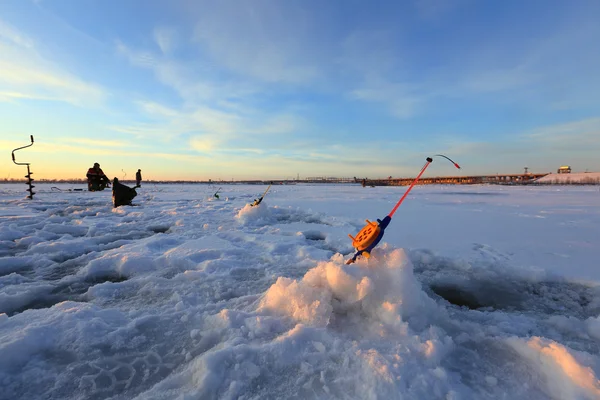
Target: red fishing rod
(370,236)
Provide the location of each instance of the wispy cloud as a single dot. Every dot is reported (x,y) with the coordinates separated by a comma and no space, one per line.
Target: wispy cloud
(26,75)
(498,80)
(196,119)
(84,147)
(143,59)
(541,149)
(9,33)
(142,131)
(263,40)
(582,135)
(166,39)
(96,142)
(204,144)
(552,69)
(277,124)
(13,97)
(372,58)
(401,102)
(212,115)
(191,80)
(154,109)
(434,9)
(207,129)
(10,144)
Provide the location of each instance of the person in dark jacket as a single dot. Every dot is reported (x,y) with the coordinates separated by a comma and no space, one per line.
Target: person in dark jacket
(121,194)
(138,178)
(97,180)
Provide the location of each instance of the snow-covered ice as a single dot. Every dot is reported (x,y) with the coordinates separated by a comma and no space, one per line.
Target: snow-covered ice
(476,292)
(574,178)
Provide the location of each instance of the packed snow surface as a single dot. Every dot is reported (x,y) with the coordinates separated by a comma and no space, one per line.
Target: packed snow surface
(478,292)
(574,178)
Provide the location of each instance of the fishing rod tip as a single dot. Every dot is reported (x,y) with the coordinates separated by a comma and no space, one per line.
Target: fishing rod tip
(456,165)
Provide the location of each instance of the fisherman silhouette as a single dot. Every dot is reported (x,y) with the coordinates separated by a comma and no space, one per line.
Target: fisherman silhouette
(138,178)
(96,179)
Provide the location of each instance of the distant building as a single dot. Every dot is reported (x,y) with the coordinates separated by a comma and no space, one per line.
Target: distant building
(565,169)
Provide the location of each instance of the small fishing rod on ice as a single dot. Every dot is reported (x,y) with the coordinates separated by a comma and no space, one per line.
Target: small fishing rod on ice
(260,199)
(370,236)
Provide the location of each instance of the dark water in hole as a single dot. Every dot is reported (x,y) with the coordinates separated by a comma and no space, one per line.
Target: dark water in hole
(549,298)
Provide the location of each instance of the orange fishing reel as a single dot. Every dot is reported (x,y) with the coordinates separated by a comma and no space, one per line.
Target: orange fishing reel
(369,236)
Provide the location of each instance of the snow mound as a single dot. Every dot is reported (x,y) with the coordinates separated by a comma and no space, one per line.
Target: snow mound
(382,289)
(578,178)
(254,214)
(563,371)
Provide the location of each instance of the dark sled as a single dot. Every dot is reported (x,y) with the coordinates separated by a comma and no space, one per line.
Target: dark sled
(122,195)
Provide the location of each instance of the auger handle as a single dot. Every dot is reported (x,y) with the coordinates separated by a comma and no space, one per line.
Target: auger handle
(13,152)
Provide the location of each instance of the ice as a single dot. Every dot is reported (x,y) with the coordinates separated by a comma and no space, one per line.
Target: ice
(478,292)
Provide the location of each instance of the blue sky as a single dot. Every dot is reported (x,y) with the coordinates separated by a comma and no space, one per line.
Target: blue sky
(270,89)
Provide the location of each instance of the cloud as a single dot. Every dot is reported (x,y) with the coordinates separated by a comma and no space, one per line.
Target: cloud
(203,144)
(12,97)
(213,112)
(137,58)
(582,135)
(145,131)
(208,126)
(96,143)
(551,67)
(435,9)
(27,75)
(218,111)
(374,60)
(8,33)
(278,124)
(400,102)
(95,148)
(497,80)
(33,78)
(191,80)
(166,39)
(10,144)
(194,115)
(155,109)
(542,148)
(263,40)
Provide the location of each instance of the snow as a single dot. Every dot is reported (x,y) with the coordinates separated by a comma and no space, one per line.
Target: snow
(571,178)
(475,292)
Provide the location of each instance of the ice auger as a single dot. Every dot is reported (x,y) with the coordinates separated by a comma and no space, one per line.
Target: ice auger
(370,236)
(29,173)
